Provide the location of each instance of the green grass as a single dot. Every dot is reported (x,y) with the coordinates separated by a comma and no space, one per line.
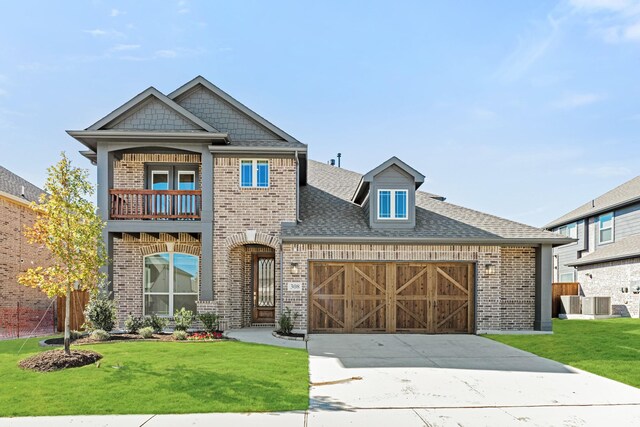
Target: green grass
(158,378)
(610,348)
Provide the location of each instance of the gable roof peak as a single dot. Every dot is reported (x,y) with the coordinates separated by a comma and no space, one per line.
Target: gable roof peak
(140,99)
(418,177)
(201,81)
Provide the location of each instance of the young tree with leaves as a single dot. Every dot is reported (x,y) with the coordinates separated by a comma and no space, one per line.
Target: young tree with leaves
(68,226)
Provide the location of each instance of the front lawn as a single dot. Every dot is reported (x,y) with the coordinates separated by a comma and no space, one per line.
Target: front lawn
(610,348)
(158,378)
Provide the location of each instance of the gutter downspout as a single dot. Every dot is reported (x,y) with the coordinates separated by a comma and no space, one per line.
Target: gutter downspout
(297,187)
(281,281)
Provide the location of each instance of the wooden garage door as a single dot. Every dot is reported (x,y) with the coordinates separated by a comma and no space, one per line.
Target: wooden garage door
(391,297)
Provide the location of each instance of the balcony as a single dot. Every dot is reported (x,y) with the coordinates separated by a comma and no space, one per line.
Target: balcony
(155,204)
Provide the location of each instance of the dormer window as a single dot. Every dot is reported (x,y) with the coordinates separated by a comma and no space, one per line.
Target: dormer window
(392,204)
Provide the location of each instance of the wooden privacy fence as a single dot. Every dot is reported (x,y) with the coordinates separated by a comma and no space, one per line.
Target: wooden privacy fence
(559,289)
(79,300)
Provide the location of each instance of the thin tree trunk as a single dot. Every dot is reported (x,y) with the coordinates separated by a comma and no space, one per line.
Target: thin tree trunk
(67,323)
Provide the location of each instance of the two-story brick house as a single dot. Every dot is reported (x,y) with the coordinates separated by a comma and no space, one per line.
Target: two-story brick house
(17,255)
(605,259)
(211,207)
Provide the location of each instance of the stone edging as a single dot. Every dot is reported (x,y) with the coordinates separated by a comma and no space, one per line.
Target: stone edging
(282,337)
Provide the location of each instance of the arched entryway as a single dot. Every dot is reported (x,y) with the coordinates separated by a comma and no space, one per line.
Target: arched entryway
(253,279)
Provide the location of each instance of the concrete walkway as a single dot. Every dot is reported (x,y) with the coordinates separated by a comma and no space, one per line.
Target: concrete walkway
(263,336)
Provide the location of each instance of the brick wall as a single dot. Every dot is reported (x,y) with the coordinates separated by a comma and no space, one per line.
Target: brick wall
(128,173)
(518,288)
(128,270)
(500,305)
(17,255)
(608,278)
(237,210)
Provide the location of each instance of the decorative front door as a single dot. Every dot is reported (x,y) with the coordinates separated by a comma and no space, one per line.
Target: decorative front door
(264,288)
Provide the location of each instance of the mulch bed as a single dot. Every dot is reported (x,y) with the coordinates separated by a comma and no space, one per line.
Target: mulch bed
(292,334)
(55,360)
(115,338)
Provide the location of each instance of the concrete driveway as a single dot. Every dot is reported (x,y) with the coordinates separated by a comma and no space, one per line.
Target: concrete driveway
(446,379)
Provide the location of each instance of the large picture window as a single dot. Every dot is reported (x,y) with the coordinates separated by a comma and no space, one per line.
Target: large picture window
(392,204)
(254,173)
(171,282)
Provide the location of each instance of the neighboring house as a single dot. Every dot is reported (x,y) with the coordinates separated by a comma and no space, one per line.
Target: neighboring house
(211,207)
(16,253)
(605,260)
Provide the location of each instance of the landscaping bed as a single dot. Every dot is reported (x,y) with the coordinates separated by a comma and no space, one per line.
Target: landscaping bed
(54,360)
(609,348)
(116,337)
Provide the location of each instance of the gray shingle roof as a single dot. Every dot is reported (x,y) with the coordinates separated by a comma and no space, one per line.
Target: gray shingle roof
(327,212)
(629,192)
(268,143)
(629,247)
(12,184)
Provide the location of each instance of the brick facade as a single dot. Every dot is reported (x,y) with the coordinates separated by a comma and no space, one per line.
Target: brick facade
(17,255)
(608,279)
(128,268)
(504,299)
(237,212)
(129,171)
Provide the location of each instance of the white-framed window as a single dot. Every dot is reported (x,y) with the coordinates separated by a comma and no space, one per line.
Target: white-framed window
(393,204)
(605,228)
(567,277)
(569,230)
(171,281)
(254,173)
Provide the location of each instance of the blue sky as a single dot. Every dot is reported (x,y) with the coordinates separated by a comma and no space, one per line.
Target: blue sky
(521,109)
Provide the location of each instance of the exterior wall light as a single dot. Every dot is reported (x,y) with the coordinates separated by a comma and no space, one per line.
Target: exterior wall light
(489,269)
(294,268)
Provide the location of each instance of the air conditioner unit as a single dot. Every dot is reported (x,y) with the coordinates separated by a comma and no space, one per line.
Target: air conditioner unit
(570,304)
(596,305)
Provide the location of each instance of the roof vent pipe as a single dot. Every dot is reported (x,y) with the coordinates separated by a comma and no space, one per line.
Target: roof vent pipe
(339,155)
(332,162)
(22,192)
(593,203)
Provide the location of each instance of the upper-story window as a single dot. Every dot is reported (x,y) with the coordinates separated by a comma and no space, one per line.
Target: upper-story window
(605,228)
(392,204)
(569,230)
(254,173)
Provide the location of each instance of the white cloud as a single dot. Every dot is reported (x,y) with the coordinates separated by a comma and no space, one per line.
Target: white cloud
(125,47)
(167,53)
(104,33)
(614,5)
(602,171)
(483,113)
(576,100)
(615,21)
(530,48)
(116,12)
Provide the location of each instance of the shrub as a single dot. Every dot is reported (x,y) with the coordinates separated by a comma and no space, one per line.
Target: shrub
(156,323)
(210,321)
(75,335)
(180,335)
(286,321)
(100,312)
(133,324)
(146,332)
(183,319)
(100,335)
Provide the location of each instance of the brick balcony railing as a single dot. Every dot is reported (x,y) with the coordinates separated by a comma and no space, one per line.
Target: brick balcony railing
(155,204)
